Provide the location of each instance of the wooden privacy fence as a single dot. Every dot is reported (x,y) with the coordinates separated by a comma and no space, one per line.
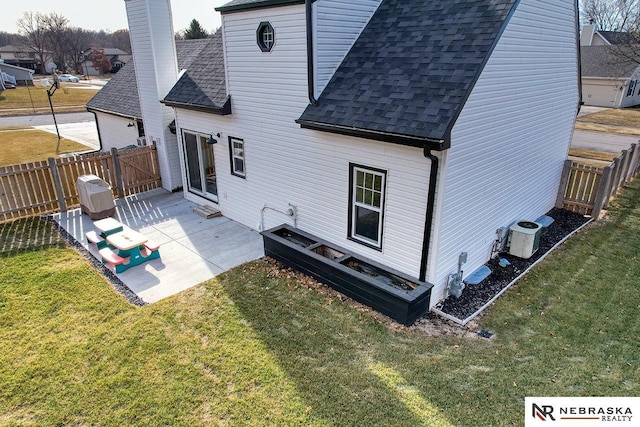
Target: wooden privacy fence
(49,186)
(588,189)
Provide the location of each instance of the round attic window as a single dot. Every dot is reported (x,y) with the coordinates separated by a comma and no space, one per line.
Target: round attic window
(266,36)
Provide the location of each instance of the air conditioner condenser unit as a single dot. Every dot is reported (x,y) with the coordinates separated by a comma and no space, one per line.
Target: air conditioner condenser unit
(524,239)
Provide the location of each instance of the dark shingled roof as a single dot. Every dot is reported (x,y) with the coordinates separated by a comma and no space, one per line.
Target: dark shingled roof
(238,5)
(410,72)
(603,61)
(203,85)
(618,37)
(120,95)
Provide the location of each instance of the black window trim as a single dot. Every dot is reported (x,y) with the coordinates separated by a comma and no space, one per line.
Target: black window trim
(259,36)
(243,175)
(350,231)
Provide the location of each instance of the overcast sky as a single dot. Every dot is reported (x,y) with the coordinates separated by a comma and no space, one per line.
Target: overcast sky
(109,14)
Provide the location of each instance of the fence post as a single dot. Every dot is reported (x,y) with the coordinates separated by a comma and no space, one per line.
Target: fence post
(563,183)
(635,162)
(118,172)
(56,182)
(603,194)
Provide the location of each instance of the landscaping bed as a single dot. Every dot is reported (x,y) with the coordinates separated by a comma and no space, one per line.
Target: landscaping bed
(474,297)
(387,291)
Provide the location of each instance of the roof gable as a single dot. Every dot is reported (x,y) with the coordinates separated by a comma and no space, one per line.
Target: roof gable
(203,85)
(410,72)
(120,95)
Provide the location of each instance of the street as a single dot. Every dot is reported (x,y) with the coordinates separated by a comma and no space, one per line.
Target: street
(46,119)
(600,141)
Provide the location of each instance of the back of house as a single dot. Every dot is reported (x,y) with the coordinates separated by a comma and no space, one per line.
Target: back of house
(404,131)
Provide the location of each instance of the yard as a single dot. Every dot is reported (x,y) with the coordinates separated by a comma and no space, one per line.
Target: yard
(263,346)
(612,120)
(19,145)
(71,97)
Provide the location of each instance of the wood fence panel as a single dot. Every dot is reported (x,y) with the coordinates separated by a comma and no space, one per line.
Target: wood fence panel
(43,187)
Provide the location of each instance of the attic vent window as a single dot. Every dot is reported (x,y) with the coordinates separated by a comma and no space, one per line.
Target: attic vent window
(266,36)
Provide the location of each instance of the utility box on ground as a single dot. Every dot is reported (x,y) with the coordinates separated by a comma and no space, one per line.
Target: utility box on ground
(95,197)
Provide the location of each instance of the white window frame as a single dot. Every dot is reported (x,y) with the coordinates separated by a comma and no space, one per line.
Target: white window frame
(355,203)
(234,156)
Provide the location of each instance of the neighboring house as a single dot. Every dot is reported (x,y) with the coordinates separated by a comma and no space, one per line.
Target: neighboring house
(608,78)
(117,105)
(21,57)
(402,130)
(117,57)
(22,76)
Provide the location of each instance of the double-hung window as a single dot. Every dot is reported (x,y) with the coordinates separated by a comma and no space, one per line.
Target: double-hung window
(366,205)
(236,152)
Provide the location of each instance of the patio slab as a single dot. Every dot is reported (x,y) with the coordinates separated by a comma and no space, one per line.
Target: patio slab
(192,249)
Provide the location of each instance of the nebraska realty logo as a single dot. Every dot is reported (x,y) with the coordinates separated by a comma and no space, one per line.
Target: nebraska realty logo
(561,411)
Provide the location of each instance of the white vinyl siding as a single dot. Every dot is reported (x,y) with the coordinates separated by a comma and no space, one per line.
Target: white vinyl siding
(309,169)
(511,139)
(115,132)
(338,23)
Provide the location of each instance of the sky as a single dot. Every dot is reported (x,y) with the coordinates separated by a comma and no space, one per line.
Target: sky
(108,15)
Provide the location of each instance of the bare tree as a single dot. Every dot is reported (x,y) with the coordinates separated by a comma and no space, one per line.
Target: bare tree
(120,39)
(56,35)
(32,28)
(611,15)
(78,41)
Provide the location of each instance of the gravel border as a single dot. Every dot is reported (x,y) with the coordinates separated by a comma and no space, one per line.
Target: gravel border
(115,281)
(475,297)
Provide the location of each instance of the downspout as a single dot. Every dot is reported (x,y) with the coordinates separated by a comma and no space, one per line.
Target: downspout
(577,11)
(95,118)
(431,202)
(310,62)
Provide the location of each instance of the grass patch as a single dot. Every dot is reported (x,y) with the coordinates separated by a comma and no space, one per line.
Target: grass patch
(36,97)
(595,127)
(626,117)
(20,146)
(259,346)
(593,155)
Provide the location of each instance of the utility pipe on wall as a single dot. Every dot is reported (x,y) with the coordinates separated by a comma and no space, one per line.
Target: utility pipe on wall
(431,202)
(292,212)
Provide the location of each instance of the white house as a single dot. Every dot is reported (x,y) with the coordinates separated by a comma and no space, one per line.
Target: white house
(609,78)
(404,131)
(23,76)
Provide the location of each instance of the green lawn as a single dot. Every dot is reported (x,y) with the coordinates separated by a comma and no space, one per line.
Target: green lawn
(259,346)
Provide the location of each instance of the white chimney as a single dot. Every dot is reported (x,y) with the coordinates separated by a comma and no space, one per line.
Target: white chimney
(587,33)
(154,57)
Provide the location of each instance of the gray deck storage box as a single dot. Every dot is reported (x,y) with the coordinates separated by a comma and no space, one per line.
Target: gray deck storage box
(95,197)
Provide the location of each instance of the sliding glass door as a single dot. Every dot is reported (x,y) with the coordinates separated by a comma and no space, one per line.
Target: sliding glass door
(200,165)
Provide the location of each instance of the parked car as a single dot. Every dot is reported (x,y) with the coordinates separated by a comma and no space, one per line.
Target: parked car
(68,78)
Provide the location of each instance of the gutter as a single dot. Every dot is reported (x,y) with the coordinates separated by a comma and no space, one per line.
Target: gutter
(224,110)
(429,216)
(395,138)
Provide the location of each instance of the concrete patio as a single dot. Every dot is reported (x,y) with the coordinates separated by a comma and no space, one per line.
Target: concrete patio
(192,249)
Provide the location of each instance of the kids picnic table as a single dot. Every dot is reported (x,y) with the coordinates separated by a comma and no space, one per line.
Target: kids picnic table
(133,248)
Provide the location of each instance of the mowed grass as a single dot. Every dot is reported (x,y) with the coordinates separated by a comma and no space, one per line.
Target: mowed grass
(36,97)
(613,120)
(260,346)
(28,145)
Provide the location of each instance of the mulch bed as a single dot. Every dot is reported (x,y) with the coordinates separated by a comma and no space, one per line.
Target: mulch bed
(475,296)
